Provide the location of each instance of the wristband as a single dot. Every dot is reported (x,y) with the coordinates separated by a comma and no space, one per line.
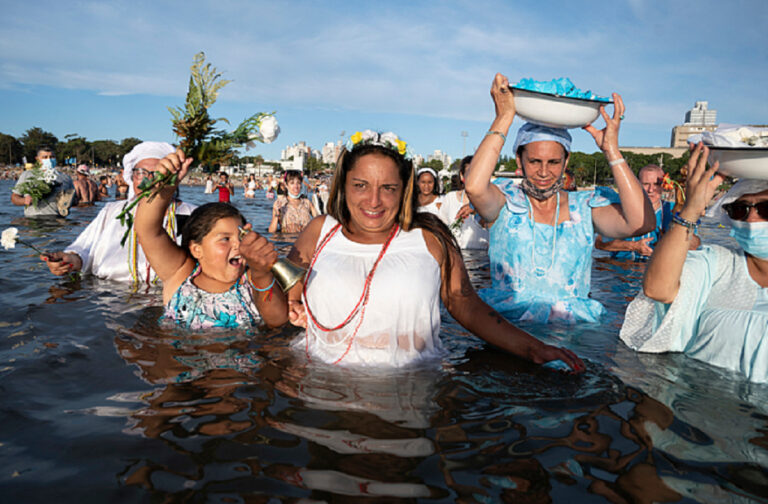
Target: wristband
(690,225)
(492,132)
(616,162)
(267,290)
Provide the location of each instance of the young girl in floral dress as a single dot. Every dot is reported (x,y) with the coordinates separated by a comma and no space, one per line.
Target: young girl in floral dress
(220,275)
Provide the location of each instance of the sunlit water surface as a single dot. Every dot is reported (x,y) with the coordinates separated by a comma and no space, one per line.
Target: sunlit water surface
(101,405)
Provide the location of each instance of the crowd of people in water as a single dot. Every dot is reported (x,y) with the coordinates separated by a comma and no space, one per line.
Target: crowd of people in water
(381,242)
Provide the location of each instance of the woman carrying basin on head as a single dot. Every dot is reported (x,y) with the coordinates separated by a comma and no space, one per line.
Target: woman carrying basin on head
(710,303)
(542,237)
(377,271)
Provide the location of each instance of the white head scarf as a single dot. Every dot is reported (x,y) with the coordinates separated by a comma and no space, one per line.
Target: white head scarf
(426,169)
(739,189)
(144,150)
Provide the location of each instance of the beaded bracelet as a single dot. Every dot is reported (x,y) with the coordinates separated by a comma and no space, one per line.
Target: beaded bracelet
(502,135)
(690,225)
(616,161)
(267,290)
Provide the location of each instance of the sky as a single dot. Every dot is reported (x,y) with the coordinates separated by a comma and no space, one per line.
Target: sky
(109,69)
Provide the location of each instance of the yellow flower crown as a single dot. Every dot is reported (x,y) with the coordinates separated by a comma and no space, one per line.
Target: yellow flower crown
(388,140)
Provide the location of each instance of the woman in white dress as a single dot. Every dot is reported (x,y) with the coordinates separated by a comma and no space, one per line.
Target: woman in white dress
(377,271)
(428,187)
(460,217)
(711,303)
(250,187)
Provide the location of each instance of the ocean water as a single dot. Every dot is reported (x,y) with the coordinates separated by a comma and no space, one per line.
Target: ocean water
(101,405)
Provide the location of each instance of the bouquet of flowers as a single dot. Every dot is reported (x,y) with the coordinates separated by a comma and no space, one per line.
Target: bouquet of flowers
(40,184)
(199,140)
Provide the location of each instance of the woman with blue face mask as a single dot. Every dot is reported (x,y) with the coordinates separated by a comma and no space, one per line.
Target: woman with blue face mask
(712,303)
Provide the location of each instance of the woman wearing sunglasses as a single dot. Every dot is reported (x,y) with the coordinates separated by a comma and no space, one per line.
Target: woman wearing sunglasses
(712,303)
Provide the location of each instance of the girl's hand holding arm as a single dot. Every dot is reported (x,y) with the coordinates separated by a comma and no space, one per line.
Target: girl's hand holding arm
(260,254)
(662,277)
(635,215)
(165,257)
(488,199)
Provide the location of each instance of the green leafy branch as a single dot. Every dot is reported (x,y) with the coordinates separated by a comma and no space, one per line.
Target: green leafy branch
(195,128)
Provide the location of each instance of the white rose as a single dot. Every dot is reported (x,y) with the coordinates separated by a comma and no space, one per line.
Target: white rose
(269,129)
(370,135)
(389,138)
(8,238)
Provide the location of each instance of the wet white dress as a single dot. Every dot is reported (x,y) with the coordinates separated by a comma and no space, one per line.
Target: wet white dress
(401,322)
(99,245)
(720,315)
(433,207)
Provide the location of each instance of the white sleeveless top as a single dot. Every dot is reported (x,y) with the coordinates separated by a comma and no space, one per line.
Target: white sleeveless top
(401,322)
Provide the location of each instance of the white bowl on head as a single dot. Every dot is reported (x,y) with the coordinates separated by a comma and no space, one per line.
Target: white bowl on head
(741,162)
(555,111)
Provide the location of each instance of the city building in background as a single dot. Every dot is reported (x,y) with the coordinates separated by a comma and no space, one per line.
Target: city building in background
(697,120)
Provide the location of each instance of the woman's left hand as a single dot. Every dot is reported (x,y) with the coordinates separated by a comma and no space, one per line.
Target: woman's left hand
(607,139)
(548,353)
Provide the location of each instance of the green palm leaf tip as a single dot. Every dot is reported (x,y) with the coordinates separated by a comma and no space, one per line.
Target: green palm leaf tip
(192,124)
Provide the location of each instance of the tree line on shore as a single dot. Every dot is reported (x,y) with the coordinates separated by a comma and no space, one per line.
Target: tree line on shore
(587,169)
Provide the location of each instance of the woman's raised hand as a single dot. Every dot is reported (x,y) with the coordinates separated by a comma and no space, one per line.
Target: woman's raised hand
(701,184)
(175,162)
(607,139)
(503,99)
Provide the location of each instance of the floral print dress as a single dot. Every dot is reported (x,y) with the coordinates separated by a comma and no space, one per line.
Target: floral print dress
(293,218)
(193,308)
(540,272)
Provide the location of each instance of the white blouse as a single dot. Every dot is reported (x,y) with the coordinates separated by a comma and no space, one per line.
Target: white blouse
(401,322)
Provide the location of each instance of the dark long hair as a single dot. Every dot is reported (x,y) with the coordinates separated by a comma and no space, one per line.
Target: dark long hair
(203,219)
(406,216)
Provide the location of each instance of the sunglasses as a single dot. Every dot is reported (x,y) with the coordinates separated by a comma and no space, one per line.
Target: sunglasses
(739,210)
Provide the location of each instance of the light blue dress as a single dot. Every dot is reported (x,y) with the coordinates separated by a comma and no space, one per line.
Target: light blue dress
(551,283)
(720,315)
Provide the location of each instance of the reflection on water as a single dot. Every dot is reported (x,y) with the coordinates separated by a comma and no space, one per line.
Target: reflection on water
(102,405)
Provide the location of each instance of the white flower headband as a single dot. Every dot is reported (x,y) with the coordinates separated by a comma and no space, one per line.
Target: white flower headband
(387,140)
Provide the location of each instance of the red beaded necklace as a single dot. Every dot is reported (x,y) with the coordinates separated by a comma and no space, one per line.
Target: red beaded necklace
(361,303)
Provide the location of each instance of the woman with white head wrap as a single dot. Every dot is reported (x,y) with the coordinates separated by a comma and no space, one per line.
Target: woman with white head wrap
(542,237)
(98,250)
(712,303)
(428,190)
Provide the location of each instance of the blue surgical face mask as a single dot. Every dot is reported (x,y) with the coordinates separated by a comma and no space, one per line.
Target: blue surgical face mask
(48,163)
(752,237)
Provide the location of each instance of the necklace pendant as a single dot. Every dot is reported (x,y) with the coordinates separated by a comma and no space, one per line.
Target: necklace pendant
(539,272)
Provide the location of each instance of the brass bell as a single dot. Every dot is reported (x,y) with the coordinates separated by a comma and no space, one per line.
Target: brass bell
(287,274)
